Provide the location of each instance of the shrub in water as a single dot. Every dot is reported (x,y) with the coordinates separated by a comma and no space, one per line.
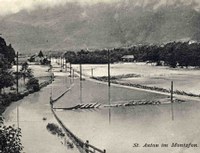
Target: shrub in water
(54,129)
(33,84)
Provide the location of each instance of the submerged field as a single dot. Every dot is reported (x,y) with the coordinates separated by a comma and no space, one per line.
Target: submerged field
(149,75)
(114,129)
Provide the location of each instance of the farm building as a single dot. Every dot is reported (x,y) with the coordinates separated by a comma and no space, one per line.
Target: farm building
(128,58)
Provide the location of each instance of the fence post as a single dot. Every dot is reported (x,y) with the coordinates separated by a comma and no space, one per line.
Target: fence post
(92,72)
(87,146)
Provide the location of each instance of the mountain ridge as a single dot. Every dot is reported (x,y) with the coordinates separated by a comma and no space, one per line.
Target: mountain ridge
(73,26)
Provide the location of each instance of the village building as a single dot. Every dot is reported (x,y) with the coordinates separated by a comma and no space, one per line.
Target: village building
(128,58)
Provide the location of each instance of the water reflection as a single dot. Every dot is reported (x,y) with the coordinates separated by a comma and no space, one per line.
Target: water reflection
(109,102)
(172,111)
(81,91)
(117,128)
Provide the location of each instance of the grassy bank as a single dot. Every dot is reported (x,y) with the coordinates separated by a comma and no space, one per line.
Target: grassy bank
(8,98)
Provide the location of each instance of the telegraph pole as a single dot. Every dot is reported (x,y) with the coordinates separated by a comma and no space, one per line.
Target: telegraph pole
(172,109)
(73,74)
(80,72)
(17,81)
(171,91)
(61,63)
(92,72)
(17,87)
(70,66)
(80,67)
(108,67)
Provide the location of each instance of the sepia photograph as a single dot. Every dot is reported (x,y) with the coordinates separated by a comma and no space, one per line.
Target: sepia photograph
(99,76)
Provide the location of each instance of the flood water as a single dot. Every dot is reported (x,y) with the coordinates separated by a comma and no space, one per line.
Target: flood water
(117,129)
(114,129)
(31,111)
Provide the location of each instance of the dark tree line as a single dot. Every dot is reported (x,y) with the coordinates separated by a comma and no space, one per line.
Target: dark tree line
(9,136)
(7,51)
(94,57)
(172,54)
(7,57)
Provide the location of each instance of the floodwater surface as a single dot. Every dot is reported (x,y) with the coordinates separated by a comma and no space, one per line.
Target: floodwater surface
(115,129)
(118,129)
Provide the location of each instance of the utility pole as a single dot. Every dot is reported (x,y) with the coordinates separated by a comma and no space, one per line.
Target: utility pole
(70,66)
(92,72)
(172,109)
(17,87)
(80,68)
(66,66)
(73,74)
(171,91)
(17,77)
(109,100)
(61,63)
(108,67)
(80,72)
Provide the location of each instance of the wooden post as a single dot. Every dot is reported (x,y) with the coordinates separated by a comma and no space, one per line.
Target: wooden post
(109,100)
(17,116)
(81,94)
(92,72)
(70,66)
(172,108)
(73,73)
(80,72)
(66,66)
(171,91)
(108,67)
(61,63)
(17,86)
(17,77)
(86,146)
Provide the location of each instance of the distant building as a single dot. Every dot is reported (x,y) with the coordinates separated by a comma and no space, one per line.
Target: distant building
(128,58)
(39,60)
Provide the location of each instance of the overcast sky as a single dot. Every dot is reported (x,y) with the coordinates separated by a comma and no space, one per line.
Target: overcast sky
(14,6)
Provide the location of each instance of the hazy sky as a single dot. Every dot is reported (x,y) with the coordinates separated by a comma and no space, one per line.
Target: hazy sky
(14,6)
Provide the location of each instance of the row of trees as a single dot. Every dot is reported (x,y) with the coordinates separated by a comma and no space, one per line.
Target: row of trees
(173,54)
(9,135)
(7,57)
(93,57)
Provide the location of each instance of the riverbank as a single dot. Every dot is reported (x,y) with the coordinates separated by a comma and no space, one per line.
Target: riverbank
(45,78)
(7,99)
(34,114)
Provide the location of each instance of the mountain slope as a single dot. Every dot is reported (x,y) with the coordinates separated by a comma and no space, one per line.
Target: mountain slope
(75,26)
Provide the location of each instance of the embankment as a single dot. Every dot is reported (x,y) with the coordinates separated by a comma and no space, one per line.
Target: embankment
(7,99)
